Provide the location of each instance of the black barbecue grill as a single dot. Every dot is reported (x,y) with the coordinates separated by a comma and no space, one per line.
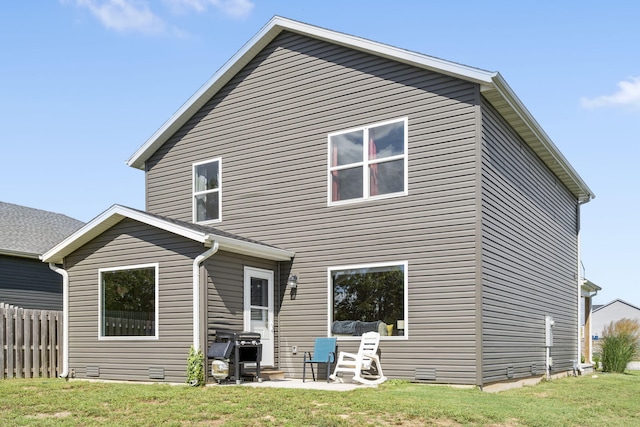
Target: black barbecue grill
(235,349)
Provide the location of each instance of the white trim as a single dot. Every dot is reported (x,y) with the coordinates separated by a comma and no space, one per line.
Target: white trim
(156,266)
(117,213)
(404,264)
(268,344)
(488,81)
(195,193)
(366,162)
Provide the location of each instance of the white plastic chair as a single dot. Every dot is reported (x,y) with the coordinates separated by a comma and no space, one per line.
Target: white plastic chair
(365,365)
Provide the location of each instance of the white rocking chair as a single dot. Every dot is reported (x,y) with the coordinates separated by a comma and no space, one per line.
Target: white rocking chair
(364,366)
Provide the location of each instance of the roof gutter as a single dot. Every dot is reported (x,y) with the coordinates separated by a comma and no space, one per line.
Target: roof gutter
(196,292)
(65,318)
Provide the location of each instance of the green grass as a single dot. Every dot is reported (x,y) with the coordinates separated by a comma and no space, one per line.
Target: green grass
(608,399)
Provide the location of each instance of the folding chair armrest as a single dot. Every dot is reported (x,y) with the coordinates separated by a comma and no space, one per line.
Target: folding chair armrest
(332,357)
(307,356)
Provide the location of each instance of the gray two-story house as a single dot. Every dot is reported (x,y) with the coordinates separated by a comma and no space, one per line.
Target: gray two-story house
(320,184)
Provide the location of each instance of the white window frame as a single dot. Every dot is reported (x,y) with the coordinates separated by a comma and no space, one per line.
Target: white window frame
(366,162)
(101,337)
(195,193)
(405,265)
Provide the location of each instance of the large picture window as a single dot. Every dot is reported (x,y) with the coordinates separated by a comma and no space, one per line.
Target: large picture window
(368,298)
(129,301)
(207,191)
(368,162)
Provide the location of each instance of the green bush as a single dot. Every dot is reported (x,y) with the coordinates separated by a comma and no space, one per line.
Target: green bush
(195,367)
(620,344)
(596,361)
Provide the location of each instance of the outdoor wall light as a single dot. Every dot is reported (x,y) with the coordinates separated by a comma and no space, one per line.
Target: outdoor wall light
(292,281)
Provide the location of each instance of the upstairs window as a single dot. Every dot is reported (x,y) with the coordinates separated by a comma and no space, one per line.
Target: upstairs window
(206,191)
(368,162)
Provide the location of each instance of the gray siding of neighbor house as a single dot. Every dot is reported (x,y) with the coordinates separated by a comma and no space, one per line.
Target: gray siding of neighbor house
(529,258)
(269,125)
(29,283)
(132,243)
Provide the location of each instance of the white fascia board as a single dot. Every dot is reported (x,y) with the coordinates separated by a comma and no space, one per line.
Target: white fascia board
(274,27)
(253,249)
(108,219)
(379,49)
(509,96)
(117,213)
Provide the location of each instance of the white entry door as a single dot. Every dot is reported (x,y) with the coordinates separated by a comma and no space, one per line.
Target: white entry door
(258,309)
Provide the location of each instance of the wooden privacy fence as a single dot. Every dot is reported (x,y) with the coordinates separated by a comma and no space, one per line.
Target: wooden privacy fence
(31,342)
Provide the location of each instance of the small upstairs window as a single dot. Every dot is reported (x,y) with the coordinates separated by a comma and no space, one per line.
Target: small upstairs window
(207,191)
(368,162)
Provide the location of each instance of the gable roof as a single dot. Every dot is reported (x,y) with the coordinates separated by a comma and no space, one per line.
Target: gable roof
(199,233)
(617,300)
(28,232)
(493,87)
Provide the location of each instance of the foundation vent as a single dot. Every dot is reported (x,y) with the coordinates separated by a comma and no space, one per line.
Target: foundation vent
(425,374)
(156,373)
(93,371)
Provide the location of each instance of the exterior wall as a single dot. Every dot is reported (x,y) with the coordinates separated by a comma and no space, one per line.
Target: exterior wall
(225,291)
(29,283)
(612,312)
(269,125)
(132,243)
(529,258)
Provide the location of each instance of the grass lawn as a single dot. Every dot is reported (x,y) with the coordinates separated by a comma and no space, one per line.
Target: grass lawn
(605,400)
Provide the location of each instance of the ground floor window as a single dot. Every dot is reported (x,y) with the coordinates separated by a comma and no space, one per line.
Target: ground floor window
(367,298)
(129,301)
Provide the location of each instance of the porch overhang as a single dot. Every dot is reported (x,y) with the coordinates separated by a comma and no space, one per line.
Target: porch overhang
(201,234)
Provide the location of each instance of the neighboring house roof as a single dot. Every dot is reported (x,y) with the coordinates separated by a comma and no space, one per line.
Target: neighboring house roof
(493,86)
(199,233)
(28,232)
(600,307)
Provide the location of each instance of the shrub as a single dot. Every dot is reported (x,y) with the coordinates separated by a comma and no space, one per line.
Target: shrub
(596,361)
(195,367)
(620,344)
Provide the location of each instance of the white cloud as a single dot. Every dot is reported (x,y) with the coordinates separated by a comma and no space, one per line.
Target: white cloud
(628,95)
(125,15)
(232,8)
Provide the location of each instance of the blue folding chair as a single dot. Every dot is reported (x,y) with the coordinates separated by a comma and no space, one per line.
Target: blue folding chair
(324,351)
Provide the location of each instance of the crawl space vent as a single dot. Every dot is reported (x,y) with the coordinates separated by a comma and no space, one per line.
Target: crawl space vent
(425,374)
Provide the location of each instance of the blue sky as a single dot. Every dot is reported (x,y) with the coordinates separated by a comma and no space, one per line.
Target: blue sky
(84,83)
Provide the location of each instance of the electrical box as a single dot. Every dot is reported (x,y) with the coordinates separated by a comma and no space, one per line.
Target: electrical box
(548,331)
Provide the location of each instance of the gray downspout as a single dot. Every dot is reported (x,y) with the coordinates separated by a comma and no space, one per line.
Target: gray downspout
(196,292)
(65,318)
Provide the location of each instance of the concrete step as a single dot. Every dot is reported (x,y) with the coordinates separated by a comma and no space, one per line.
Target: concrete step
(271,374)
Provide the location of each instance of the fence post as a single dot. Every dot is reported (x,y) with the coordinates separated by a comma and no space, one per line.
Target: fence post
(36,343)
(19,342)
(3,340)
(11,354)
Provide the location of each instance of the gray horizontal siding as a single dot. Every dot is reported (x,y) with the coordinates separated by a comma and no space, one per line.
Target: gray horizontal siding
(529,257)
(132,243)
(270,124)
(225,291)
(29,283)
